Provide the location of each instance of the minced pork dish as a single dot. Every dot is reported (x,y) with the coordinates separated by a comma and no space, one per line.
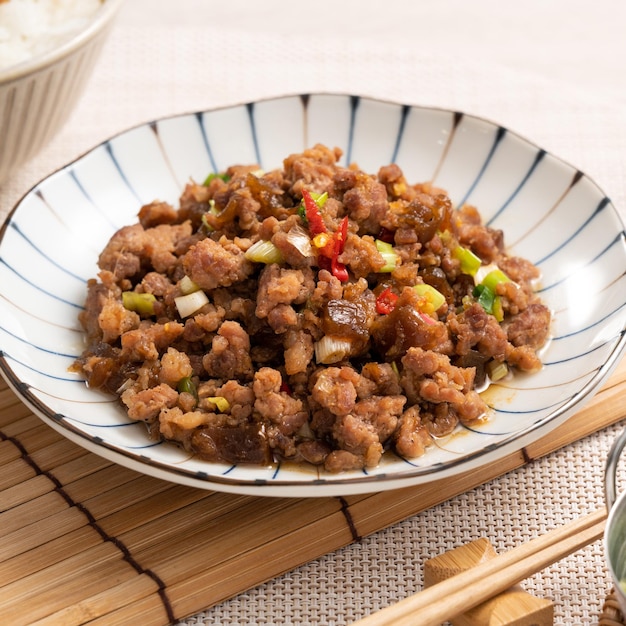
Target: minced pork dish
(315,314)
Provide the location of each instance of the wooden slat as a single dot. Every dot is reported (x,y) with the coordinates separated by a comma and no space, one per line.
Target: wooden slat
(85,540)
(129,594)
(48,554)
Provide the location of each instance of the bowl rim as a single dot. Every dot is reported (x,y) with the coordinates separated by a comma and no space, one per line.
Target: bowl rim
(101,20)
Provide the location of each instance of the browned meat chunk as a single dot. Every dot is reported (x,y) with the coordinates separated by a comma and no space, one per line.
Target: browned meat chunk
(327,355)
(211,264)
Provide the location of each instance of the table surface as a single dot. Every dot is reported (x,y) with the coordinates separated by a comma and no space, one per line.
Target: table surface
(553,72)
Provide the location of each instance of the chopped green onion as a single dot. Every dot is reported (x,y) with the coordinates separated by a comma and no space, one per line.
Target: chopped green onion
(498,310)
(190,303)
(142,303)
(494,278)
(434,299)
(497,370)
(264,252)
(186,385)
(320,200)
(220,402)
(469,261)
(394,367)
(389,254)
(332,349)
(213,176)
(485,297)
(187,285)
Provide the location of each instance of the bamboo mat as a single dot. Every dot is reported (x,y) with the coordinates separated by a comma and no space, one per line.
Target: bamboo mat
(85,540)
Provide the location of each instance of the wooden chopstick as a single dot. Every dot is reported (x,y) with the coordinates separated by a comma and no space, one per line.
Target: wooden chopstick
(470,588)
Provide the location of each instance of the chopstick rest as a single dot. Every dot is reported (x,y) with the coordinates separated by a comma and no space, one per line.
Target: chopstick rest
(513,607)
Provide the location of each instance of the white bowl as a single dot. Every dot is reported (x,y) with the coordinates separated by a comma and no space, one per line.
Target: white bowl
(38,95)
(550,213)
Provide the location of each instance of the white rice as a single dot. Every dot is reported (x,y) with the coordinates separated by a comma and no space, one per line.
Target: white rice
(31,27)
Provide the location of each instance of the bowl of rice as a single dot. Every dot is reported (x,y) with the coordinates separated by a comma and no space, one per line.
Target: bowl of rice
(47,51)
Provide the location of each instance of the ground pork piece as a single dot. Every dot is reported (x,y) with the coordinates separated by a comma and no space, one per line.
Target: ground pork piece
(475,329)
(299,351)
(175,366)
(229,356)
(282,318)
(381,412)
(523,357)
(278,285)
(322,422)
(314,169)
(97,294)
(366,203)
(358,437)
(210,318)
(530,328)
(313,451)
(240,399)
(160,245)
(277,407)
(194,202)
(440,419)
(176,424)
(514,297)
(343,461)
(334,388)
(115,319)
(486,242)
(472,408)
(328,287)
(518,269)
(361,255)
(411,437)
(393,178)
(429,376)
(145,405)
(157,284)
(386,381)
(211,264)
(123,252)
(156,213)
(242,310)
(147,341)
(364,431)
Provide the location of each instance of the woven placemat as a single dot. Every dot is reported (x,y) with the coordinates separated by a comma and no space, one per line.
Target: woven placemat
(86,540)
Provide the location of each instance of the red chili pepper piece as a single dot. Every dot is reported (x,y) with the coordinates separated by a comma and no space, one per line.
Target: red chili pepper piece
(341,235)
(313,215)
(285,388)
(386,301)
(338,269)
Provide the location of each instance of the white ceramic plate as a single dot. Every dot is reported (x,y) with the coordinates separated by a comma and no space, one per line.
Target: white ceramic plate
(550,213)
